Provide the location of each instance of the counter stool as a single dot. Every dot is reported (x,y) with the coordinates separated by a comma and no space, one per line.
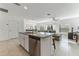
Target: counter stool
(54,42)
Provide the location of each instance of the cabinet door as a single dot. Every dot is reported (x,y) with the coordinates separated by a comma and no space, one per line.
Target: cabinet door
(27,43)
(22,40)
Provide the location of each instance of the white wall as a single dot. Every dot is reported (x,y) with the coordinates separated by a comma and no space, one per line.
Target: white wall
(12,22)
(10,26)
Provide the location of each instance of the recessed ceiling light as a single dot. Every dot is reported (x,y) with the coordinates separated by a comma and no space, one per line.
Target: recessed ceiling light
(48,14)
(25,7)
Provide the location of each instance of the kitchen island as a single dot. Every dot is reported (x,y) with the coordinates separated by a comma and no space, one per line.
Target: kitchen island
(39,44)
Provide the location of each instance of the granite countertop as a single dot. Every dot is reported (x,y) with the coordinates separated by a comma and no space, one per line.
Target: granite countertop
(25,33)
(37,34)
(42,34)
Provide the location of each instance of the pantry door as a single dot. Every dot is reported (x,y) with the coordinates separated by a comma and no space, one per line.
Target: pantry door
(13,28)
(3,29)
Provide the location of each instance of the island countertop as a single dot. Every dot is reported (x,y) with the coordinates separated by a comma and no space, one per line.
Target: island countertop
(37,34)
(41,34)
(25,33)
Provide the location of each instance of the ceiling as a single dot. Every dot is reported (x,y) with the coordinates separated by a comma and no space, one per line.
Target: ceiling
(40,10)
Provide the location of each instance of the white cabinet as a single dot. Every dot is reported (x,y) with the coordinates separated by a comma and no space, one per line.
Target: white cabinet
(45,46)
(24,41)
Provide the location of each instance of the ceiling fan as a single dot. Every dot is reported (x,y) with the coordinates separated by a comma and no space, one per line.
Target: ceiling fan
(53,18)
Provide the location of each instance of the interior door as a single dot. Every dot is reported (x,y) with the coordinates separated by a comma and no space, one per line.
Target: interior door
(13,29)
(3,29)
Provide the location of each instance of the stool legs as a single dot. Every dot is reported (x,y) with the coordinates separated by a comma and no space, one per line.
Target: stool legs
(54,43)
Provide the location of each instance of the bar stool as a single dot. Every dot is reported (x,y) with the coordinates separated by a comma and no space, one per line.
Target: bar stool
(54,42)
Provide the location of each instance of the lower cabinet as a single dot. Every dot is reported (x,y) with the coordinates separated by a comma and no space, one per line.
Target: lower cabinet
(21,39)
(24,41)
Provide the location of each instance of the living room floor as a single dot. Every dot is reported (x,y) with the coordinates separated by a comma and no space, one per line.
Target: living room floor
(64,47)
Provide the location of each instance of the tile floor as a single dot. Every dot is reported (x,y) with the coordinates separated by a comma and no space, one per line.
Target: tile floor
(64,47)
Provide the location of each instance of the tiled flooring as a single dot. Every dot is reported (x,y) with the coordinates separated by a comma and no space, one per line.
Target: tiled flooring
(64,47)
